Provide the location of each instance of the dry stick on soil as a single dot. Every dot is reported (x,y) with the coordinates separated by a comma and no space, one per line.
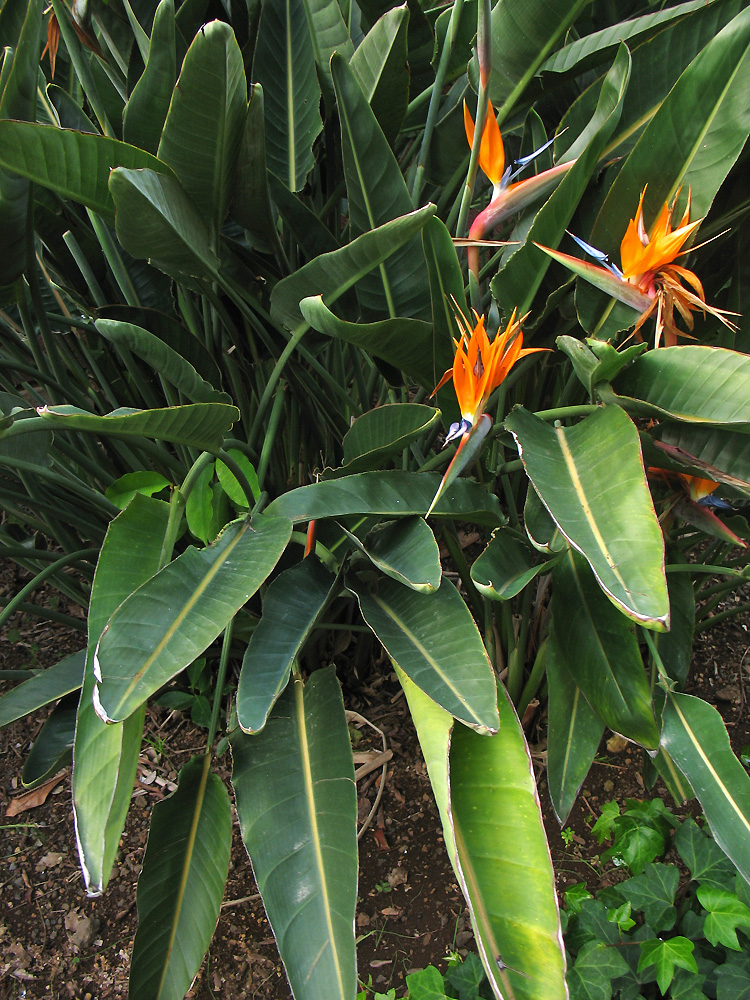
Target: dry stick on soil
(385,756)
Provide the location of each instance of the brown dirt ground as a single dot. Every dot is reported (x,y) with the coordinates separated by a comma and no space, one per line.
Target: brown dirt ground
(57,943)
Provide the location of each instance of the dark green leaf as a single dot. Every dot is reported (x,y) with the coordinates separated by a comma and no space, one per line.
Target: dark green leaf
(44,687)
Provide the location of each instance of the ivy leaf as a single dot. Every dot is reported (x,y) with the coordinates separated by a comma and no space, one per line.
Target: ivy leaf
(653,892)
(604,827)
(666,956)
(595,967)
(733,978)
(725,914)
(707,863)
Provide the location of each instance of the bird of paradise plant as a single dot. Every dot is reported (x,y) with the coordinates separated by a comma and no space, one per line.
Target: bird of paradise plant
(649,280)
(479,366)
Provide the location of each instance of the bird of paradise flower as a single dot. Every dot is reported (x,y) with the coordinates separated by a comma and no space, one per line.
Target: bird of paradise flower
(479,366)
(649,280)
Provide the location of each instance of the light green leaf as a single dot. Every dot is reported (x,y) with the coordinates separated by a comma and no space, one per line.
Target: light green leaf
(105,757)
(182,883)
(666,956)
(206,121)
(229,482)
(44,687)
(284,66)
(696,739)
(156,221)
(122,490)
(394,494)
(168,363)
(146,111)
(598,647)
(608,517)
(292,606)
(332,274)
(199,425)
(75,165)
(434,640)
(171,619)
(297,804)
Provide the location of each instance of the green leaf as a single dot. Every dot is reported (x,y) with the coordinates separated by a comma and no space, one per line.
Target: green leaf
(725,914)
(122,490)
(505,567)
(597,646)
(403,342)
(520,277)
(434,640)
(168,363)
(297,804)
(573,736)
(380,433)
(74,165)
(719,454)
(677,952)
(284,66)
(206,121)
(703,385)
(380,64)
(596,965)
(676,646)
(653,893)
(44,687)
(292,606)
(229,482)
(146,111)
(609,518)
(394,494)
(377,194)
(707,863)
(178,613)
(182,883)
(511,897)
(691,142)
(207,506)
(251,204)
(155,220)
(733,980)
(329,34)
(524,35)
(696,739)
(427,984)
(332,274)
(446,283)
(406,551)
(542,531)
(105,757)
(52,745)
(198,425)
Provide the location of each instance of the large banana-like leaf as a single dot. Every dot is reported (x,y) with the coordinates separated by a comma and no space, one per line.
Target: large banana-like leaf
(292,606)
(381,433)
(434,640)
(332,274)
(377,194)
(157,221)
(394,494)
(702,385)
(297,804)
(41,689)
(329,34)
(720,454)
(73,164)
(590,478)
(206,121)
(199,425)
(505,567)
(381,67)
(180,888)
(284,66)
(524,35)
(696,739)
(573,736)
(251,204)
(486,792)
(161,628)
(146,111)
(692,140)
(518,280)
(17,100)
(169,364)
(105,757)
(598,647)
(406,551)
